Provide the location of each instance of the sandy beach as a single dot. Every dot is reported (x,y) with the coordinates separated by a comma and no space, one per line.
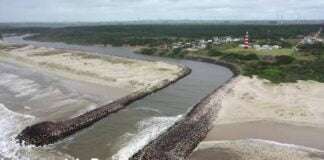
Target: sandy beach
(251,108)
(253,99)
(137,77)
(72,83)
(253,150)
(107,70)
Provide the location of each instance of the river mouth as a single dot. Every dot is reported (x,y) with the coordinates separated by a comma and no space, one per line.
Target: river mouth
(124,133)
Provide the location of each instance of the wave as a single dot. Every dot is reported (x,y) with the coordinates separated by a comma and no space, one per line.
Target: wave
(149,109)
(292,146)
(149,129)
(19,86)
(11,123)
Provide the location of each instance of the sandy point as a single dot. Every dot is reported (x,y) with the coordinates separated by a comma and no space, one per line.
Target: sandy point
(253,108)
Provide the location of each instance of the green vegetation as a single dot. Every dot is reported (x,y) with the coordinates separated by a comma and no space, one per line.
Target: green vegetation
(313,49)
(156,35)
(283,65)
(285,51)
(234,57)
(289,64)
(148,51)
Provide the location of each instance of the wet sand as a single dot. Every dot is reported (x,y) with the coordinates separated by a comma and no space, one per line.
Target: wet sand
(71,83)
(49,97)
(254,150)
(269,130)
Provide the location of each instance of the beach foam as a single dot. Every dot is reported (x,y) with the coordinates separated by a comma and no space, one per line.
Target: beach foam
(11,123)
(19,86)
(149,129)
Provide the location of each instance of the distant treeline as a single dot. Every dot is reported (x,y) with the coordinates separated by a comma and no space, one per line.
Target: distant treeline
(154,35)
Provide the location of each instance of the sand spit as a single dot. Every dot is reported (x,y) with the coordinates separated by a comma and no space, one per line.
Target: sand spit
(113,71)
(50,132)
(140,77)
(253,150)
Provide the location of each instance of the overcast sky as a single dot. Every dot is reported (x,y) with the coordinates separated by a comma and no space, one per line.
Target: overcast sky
(127,10)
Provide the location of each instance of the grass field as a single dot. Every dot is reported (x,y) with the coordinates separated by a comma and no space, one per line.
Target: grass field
(274,52)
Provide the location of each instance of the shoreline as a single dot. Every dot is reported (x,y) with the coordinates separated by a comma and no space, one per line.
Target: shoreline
(255,149)
(178,141)
(288,114)
(45,133)
(196,120)
(300,135)
(200,123)
(49,132)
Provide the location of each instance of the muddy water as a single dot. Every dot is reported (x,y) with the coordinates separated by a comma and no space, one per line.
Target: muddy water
(124,133)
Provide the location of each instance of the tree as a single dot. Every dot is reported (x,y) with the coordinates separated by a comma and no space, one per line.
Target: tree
(316,49)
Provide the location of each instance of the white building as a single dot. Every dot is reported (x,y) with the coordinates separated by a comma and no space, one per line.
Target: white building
(237,39)
(202,46)
(228,39)
(241,45)
(216,39)
(256,46)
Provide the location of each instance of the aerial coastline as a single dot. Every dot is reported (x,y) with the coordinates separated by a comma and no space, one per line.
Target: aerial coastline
(267,92)
(70,64)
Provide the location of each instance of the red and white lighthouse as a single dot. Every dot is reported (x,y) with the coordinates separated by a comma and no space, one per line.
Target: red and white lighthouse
(246,41)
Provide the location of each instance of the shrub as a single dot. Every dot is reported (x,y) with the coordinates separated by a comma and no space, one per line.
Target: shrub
(234,57)
(272,74)
(316,49)
(148,51)
(215,53)
(251,56)
(177,53)
(283,59)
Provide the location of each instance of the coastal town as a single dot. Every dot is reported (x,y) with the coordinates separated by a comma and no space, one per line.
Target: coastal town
(243,42)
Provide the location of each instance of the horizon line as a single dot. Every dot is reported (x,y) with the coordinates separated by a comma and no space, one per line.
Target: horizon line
(166,20)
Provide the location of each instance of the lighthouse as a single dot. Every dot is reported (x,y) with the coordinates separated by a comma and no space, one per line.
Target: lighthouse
(246,41)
